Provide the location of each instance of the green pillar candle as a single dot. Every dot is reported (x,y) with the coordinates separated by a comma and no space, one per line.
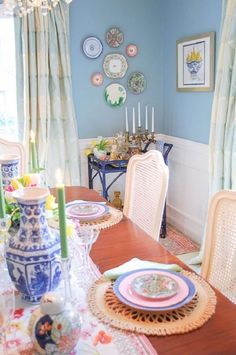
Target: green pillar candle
(2,197)
(34,160)
(62,219)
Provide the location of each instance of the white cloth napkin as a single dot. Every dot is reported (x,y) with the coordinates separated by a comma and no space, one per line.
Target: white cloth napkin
(135,264)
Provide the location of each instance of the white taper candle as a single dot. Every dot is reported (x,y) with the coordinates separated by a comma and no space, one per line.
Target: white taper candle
(133,120)
(126,120)
(139,115)
(152,119)
(146,118)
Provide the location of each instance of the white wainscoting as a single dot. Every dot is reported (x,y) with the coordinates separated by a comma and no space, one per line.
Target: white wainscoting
(188,186)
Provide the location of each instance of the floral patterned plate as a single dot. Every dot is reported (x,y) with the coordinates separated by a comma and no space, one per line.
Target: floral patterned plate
(97,79)
(123,291)
(136,83)
(115,66)
(154,286)
(115,95)
(92,47)
(86,211)
(131,50)
(114,37)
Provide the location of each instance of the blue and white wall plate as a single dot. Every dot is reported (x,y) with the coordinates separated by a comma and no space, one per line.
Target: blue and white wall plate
(92,47)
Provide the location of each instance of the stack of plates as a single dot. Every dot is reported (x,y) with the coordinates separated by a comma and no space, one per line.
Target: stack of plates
(86,211)
(154,290)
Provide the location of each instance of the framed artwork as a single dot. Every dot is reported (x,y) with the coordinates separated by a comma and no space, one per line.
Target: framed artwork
(195,63)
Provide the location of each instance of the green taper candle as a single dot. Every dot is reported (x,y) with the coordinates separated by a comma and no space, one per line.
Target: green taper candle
(62,219)
(34,160)
(2,197)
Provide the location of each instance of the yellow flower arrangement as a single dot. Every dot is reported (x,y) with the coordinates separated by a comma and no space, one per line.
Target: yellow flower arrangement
(194,56)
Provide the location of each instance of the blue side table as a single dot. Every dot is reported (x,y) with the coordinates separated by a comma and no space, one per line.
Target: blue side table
(101,168)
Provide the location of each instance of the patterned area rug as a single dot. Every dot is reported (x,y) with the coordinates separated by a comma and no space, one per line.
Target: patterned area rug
(177,243)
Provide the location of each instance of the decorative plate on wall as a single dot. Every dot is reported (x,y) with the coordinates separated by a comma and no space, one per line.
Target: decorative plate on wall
(115,65)
(92,47)
(115,95)
(114,37)
(97,79)
(136,82)
(131,50)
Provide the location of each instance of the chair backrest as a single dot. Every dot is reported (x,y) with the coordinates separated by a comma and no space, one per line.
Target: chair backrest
(145,191)
(7,147)
(219,261)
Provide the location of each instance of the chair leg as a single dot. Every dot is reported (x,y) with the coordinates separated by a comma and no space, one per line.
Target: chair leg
(163,224)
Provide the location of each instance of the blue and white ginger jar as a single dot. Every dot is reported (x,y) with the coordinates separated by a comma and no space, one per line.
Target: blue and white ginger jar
(9,167)
(33,253)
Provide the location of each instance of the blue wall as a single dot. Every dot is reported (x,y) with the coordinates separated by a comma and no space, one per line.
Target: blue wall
(154,25)
(186,115)
(139,20)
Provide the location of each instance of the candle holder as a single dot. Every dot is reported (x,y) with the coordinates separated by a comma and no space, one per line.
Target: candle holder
(142,139)
(66,278)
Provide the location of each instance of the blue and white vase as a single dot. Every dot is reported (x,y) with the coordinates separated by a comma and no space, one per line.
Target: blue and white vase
(9,167)
(33,253)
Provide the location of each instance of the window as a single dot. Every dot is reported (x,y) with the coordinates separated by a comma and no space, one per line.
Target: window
(8,109)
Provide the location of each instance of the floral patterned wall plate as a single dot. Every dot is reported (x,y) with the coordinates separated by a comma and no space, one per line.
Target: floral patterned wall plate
(114,37)
(92,47)
(136,83)
(115,65)
(131,50)
(115,95)
(97,79)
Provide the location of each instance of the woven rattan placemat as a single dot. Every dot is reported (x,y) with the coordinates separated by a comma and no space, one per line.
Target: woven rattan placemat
(108,220)
(107,307)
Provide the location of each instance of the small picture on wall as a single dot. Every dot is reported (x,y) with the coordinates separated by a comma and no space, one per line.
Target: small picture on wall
(195,63)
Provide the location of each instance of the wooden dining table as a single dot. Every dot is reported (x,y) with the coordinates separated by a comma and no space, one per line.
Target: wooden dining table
(126,240)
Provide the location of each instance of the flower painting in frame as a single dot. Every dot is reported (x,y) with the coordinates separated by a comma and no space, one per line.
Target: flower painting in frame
(195,63)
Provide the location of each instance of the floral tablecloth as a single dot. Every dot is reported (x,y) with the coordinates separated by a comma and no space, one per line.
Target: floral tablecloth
(96,338)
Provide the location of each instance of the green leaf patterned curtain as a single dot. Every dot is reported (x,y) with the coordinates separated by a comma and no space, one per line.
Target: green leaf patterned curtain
(223,131)
(45,101)
(222,144)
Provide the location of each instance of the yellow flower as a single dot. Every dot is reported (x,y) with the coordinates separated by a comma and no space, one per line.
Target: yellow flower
(15,184)
(26,180)
(88,151)
(50,203)
(93,143)
(194,56)
(70,228)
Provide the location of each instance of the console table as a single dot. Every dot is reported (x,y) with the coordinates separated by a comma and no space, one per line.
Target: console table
(101,168)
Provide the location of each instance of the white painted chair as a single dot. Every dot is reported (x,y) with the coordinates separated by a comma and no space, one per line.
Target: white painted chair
(145,191)
(219,261)
(7,147)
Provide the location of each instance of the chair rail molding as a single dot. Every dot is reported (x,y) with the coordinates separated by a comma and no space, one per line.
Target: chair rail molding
(187,199)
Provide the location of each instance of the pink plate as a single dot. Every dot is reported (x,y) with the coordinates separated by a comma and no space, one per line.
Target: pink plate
(126,291)
(85,211)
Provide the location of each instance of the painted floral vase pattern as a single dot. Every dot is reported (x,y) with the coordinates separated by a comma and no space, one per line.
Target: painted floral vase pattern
(33,253)
(55,329)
